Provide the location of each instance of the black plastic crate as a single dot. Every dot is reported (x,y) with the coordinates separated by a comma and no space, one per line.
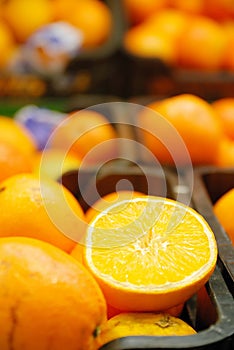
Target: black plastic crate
(210,183)
(211,310)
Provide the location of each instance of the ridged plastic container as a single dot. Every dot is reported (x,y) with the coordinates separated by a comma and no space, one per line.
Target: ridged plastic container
(211,310)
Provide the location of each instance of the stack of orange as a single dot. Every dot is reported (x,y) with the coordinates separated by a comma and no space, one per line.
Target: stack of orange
(175,31)
(186,129)
(38,232)
(181,129)
(19,19)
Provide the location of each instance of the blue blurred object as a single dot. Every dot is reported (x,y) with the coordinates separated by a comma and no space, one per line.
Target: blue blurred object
(40,122)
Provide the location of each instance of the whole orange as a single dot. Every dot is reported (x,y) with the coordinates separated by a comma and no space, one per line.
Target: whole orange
(13,133)
(223,209)
(25,16)
(40,208)
(92,17)
(202,44)
(225,153)
(169,20)
(84,133)
(144,42)
(135,324)
(12,161)
(225,111)
(228,57)
(47,299)
(7,43)
(188,116)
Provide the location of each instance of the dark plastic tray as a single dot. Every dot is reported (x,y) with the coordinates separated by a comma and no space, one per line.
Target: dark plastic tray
(153,77)
(210,183)
(92,71)
(211,310)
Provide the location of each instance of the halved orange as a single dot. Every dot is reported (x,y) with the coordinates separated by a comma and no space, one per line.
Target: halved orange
(149,253)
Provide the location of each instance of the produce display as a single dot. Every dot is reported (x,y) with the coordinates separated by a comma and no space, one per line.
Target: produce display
(41,45)
(116,227)
(195,35)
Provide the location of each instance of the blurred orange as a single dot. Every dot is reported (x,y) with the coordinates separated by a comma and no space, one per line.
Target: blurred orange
(195,121)
(225,111)
(12,161)
(26,16)
(202,45)
(138,10)
(223,209)
(7,43)
(142,41)
(170,21)
(85,133)
(15,134)
(225,153)
(92,17)
(228,58)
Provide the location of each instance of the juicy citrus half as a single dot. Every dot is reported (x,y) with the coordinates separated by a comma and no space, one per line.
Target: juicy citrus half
(149,253)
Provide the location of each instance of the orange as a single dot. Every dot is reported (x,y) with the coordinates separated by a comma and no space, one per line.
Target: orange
(228,57)
(142,253)
(82,132)
(47,299)
(143,42)
(138,10)
(54,163)
(225,111)
(40,208)
(111,198)
(171,21)
(192,118)
(223,209)
(225,153)
(13,133)
(12,161)
(202,44)
(92,17)
(26,16)
(151,324)
(7,44)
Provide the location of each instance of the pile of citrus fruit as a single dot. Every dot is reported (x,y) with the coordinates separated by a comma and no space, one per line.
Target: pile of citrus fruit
(20,19)
(77,280)
(195,34)
(206,129)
